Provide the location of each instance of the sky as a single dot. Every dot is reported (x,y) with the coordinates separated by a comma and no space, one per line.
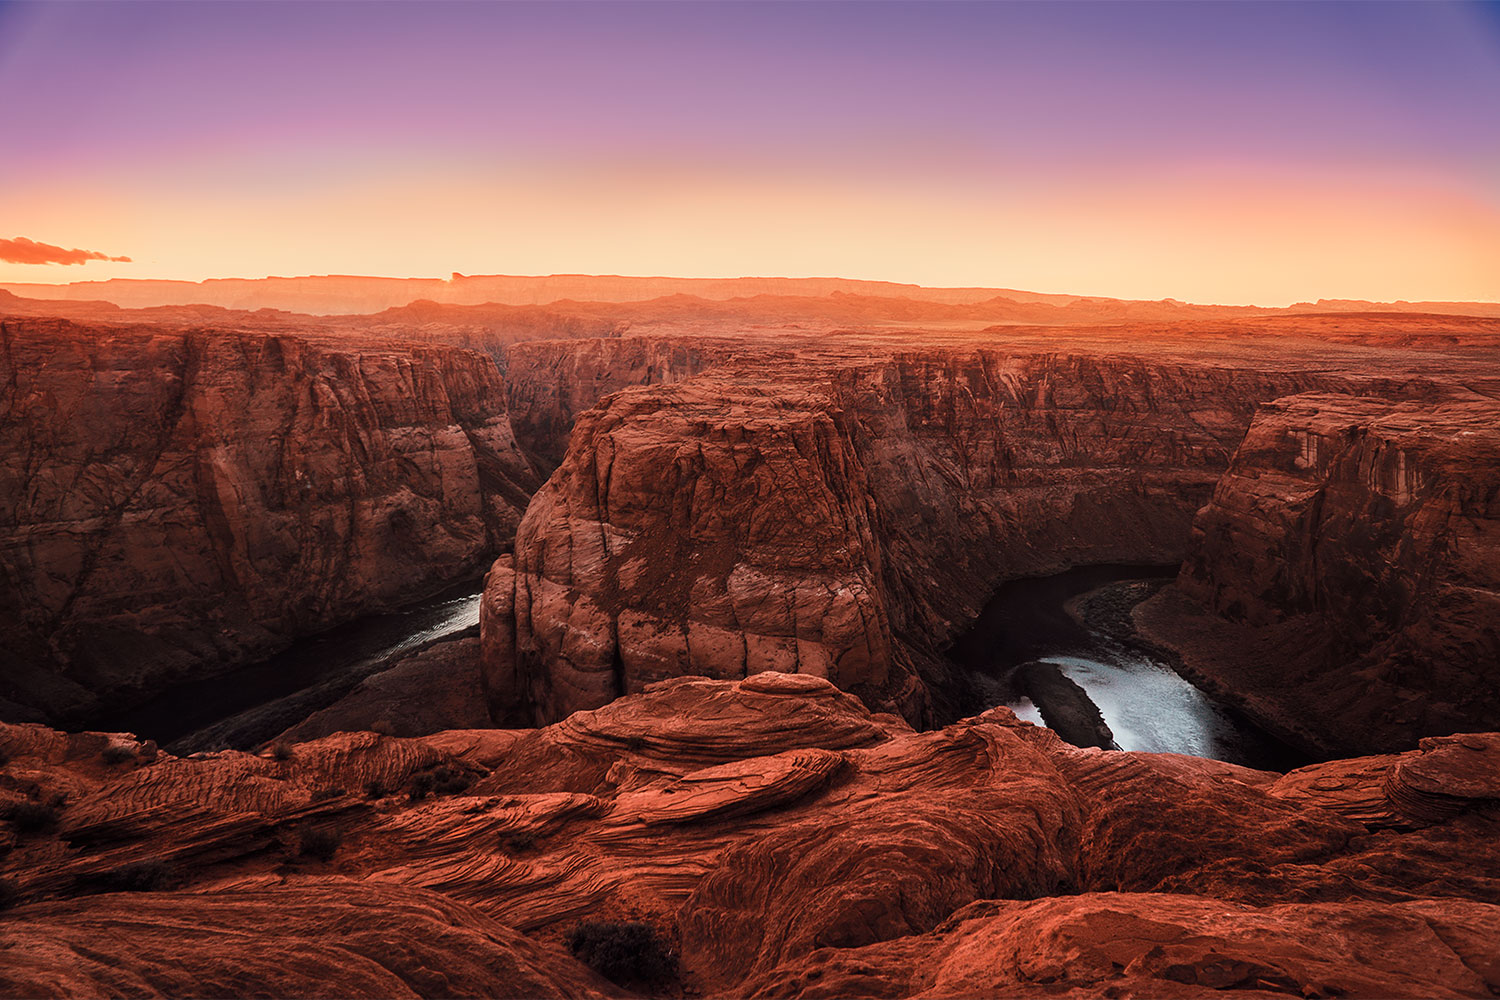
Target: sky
(1215,152)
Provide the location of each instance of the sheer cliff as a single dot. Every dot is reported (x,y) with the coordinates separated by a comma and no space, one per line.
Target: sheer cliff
(846,520)
(1347,569)
(173,502)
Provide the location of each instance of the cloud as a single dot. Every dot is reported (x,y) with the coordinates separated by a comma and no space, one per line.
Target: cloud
(23,251)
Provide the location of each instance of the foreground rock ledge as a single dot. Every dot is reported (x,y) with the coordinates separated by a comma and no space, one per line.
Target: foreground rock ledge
(783,838)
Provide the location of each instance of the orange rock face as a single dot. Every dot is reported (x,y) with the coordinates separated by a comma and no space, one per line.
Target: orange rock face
(550,383)
(781,838)
(729,607)
(844,521)
(1352,558)
(173,501)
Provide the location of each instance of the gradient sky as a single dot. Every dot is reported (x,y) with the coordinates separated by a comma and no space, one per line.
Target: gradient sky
(1209,152)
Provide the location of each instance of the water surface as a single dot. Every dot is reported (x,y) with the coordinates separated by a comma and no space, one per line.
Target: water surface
(1146,704)
(310,674)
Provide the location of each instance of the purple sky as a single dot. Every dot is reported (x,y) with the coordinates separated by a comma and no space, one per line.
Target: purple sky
(146,117)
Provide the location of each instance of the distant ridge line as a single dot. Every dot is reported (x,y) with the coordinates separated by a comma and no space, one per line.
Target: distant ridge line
(357,294)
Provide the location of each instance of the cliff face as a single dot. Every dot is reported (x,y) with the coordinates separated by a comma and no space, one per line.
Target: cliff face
(779,837)
(843,522)
(691,529)
(549,383)
(1365,534)
(174,499)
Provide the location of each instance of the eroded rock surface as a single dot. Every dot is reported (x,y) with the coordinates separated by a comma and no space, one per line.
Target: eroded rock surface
(550,383)
(174,501)
(1349,567)
(782,838)
(844,519)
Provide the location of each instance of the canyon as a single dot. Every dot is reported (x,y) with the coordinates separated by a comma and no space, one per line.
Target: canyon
(847,517)
(731,535)
(176,498)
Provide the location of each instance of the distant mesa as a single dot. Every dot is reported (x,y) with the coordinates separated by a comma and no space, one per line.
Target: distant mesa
(23,251)
(843,299)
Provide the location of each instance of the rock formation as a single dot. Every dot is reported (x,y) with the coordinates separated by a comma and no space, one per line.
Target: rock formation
(1349,565)
(175,501)
(784,840)
(844,518)
(550,382)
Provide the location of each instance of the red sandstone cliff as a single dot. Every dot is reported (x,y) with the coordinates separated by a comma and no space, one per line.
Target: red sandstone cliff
(844,519)
(175,501)
(1350,559)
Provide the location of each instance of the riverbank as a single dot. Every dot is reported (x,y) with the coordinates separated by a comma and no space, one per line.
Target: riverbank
(1068,645)
(1186,637)
(251,704)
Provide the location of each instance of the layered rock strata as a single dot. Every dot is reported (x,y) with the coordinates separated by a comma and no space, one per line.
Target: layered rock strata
(779,837)
(845,520)
(550,383)
(172,502)
(1344,579)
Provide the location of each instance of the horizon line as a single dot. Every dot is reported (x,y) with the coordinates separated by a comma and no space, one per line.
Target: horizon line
(456,276)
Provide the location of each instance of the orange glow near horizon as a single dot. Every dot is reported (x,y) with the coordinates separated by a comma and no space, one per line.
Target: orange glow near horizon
(1213,153)
(1195,238)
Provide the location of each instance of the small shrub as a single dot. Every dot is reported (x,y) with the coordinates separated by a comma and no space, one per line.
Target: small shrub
(442,780)
(623,952)
(635,744)
(449,780)
(29,817)
(282,751)
(321,842)
(375,789)
(142,876)
(324,794)
(10,893)
(118,753)
(518,842)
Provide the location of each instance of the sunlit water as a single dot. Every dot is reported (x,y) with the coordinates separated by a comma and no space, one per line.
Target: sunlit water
(1146,704)
(254,702)
(1149,707)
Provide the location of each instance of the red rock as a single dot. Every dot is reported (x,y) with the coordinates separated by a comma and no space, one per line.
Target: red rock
(336,937)
(550,382)
(783,838)
(1351,556)
(172,502)
(842,522)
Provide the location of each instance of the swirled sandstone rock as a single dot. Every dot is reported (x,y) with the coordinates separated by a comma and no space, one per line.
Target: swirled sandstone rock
(783,839)
(173,501)
(338,937)
(1344,580)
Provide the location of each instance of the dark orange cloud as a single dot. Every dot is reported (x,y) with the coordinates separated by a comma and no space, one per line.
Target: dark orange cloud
(23,251)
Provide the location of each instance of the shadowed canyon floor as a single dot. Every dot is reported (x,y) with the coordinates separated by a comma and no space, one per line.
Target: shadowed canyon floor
(732,540)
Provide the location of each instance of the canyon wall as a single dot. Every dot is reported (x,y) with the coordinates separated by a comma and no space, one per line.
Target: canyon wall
(1347,569)
(171,500)
(845,519)
(549,383)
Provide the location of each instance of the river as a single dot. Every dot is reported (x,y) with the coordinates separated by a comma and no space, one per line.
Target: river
(250,704)
(1075,622)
